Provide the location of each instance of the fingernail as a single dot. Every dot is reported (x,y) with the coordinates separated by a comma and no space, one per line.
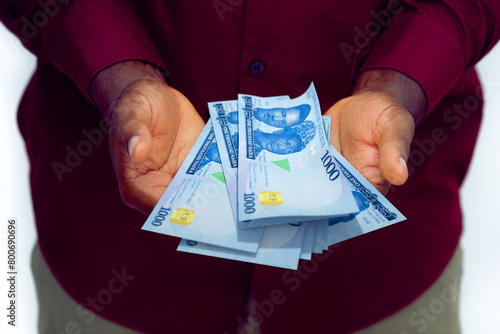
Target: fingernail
(131,144)
(403,161)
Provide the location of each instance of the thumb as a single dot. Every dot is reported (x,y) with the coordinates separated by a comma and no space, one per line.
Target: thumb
(394,134)
(139,144)
(133,134)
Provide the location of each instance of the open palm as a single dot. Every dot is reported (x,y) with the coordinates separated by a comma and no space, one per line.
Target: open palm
(373,132)
(153,128)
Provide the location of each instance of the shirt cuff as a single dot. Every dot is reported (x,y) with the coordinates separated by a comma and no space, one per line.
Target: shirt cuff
(425,46)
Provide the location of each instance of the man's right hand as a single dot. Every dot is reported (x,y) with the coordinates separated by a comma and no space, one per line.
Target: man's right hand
(152,129)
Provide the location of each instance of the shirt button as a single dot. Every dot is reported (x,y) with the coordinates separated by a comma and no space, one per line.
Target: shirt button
(257,67)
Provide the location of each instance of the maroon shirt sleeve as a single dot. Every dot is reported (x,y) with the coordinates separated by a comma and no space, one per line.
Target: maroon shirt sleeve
(434,42)
(80,37)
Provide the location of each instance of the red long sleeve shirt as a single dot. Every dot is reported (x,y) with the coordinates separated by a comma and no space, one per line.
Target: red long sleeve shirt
(212,50)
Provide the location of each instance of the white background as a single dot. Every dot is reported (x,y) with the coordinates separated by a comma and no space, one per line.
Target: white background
(480,297)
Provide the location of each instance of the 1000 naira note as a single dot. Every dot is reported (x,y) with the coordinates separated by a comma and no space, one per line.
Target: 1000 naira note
(286,172)
(375,211)
(196,205)
(224,116)
(280,246)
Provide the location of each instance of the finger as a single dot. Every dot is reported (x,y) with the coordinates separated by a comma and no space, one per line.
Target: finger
(395,129)
(144,193)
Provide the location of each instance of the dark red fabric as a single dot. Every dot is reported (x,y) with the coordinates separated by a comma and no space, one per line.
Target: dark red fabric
(88,236)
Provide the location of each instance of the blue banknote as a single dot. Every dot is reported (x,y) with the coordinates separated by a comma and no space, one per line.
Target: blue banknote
(320,236)
(308,242)
(314,243)
(285,169)
(224,115)
(280,246)
(196,203)
(375,210)
(327,125)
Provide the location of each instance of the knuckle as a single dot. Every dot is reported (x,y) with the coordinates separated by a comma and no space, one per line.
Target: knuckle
(396,116)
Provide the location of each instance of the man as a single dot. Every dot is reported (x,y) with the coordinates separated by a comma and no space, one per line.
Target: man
(382,70)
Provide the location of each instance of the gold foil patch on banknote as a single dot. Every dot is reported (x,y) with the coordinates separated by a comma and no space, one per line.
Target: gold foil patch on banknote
(182,216)
(270,198)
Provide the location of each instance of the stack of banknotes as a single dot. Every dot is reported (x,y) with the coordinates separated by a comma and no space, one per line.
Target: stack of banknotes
(262,184)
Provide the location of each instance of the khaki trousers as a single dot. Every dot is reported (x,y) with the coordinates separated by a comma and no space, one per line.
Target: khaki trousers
(434,312)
